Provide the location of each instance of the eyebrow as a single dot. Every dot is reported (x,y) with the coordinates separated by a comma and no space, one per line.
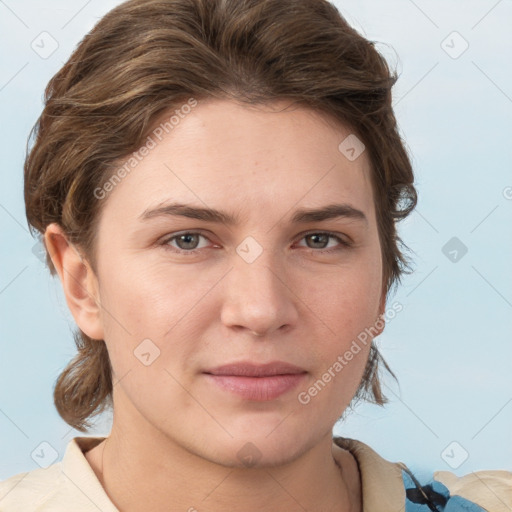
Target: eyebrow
(301,216)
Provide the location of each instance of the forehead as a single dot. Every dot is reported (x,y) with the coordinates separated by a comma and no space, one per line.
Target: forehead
(240,158)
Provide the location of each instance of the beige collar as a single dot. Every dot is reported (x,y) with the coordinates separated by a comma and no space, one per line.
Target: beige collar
(382,484)
(77,470)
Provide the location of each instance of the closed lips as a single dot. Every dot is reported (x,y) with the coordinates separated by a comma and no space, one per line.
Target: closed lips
(248,369)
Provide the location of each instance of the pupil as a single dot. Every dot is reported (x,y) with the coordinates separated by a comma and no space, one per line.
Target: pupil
(317,237)
(187,237)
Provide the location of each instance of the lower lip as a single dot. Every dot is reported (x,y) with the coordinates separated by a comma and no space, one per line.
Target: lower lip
(260,389)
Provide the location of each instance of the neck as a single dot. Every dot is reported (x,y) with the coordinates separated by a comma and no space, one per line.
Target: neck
(316,480)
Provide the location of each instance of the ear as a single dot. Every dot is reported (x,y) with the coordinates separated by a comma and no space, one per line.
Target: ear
(78,280)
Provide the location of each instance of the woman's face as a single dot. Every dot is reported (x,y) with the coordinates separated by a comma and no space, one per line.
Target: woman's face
(176,307)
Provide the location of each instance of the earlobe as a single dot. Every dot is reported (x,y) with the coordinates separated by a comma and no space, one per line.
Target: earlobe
(78,281)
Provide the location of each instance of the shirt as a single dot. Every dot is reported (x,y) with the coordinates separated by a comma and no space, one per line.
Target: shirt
(71,484)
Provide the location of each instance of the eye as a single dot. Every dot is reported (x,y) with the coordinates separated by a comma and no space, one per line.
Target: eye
(320,240)
(187,242)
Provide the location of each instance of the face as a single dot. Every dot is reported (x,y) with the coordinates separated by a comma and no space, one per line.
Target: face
(262,279)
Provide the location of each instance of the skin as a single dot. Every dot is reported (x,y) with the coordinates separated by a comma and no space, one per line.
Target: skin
(202,310)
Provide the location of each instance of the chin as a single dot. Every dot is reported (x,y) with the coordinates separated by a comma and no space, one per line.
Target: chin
(259,448)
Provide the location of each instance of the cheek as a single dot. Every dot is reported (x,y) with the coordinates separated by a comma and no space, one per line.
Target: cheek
(346,305)
(347,300)
(153,298)
(168,308)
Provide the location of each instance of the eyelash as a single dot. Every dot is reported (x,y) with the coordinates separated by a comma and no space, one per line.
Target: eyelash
(344,244)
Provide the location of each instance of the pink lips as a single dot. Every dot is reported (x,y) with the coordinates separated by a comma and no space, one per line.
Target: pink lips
(255,381)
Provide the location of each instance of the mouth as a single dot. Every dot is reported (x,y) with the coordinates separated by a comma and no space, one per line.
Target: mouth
(258,382)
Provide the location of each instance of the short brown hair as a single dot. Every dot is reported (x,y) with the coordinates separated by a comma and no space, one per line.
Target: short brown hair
(148,56)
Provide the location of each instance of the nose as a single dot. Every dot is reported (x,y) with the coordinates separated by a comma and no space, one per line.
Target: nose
(258,299)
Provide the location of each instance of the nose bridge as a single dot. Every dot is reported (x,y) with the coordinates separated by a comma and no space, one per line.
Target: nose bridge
(257,297)
(260,278)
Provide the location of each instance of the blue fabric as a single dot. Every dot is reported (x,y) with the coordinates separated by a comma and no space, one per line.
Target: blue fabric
(439,497)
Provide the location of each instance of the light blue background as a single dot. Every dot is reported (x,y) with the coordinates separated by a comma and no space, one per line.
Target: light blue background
(450,346)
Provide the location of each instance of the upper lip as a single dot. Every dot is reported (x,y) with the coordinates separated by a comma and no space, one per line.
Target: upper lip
(249,369)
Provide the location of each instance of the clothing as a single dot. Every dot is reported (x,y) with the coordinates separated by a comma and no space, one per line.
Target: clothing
(71,484)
